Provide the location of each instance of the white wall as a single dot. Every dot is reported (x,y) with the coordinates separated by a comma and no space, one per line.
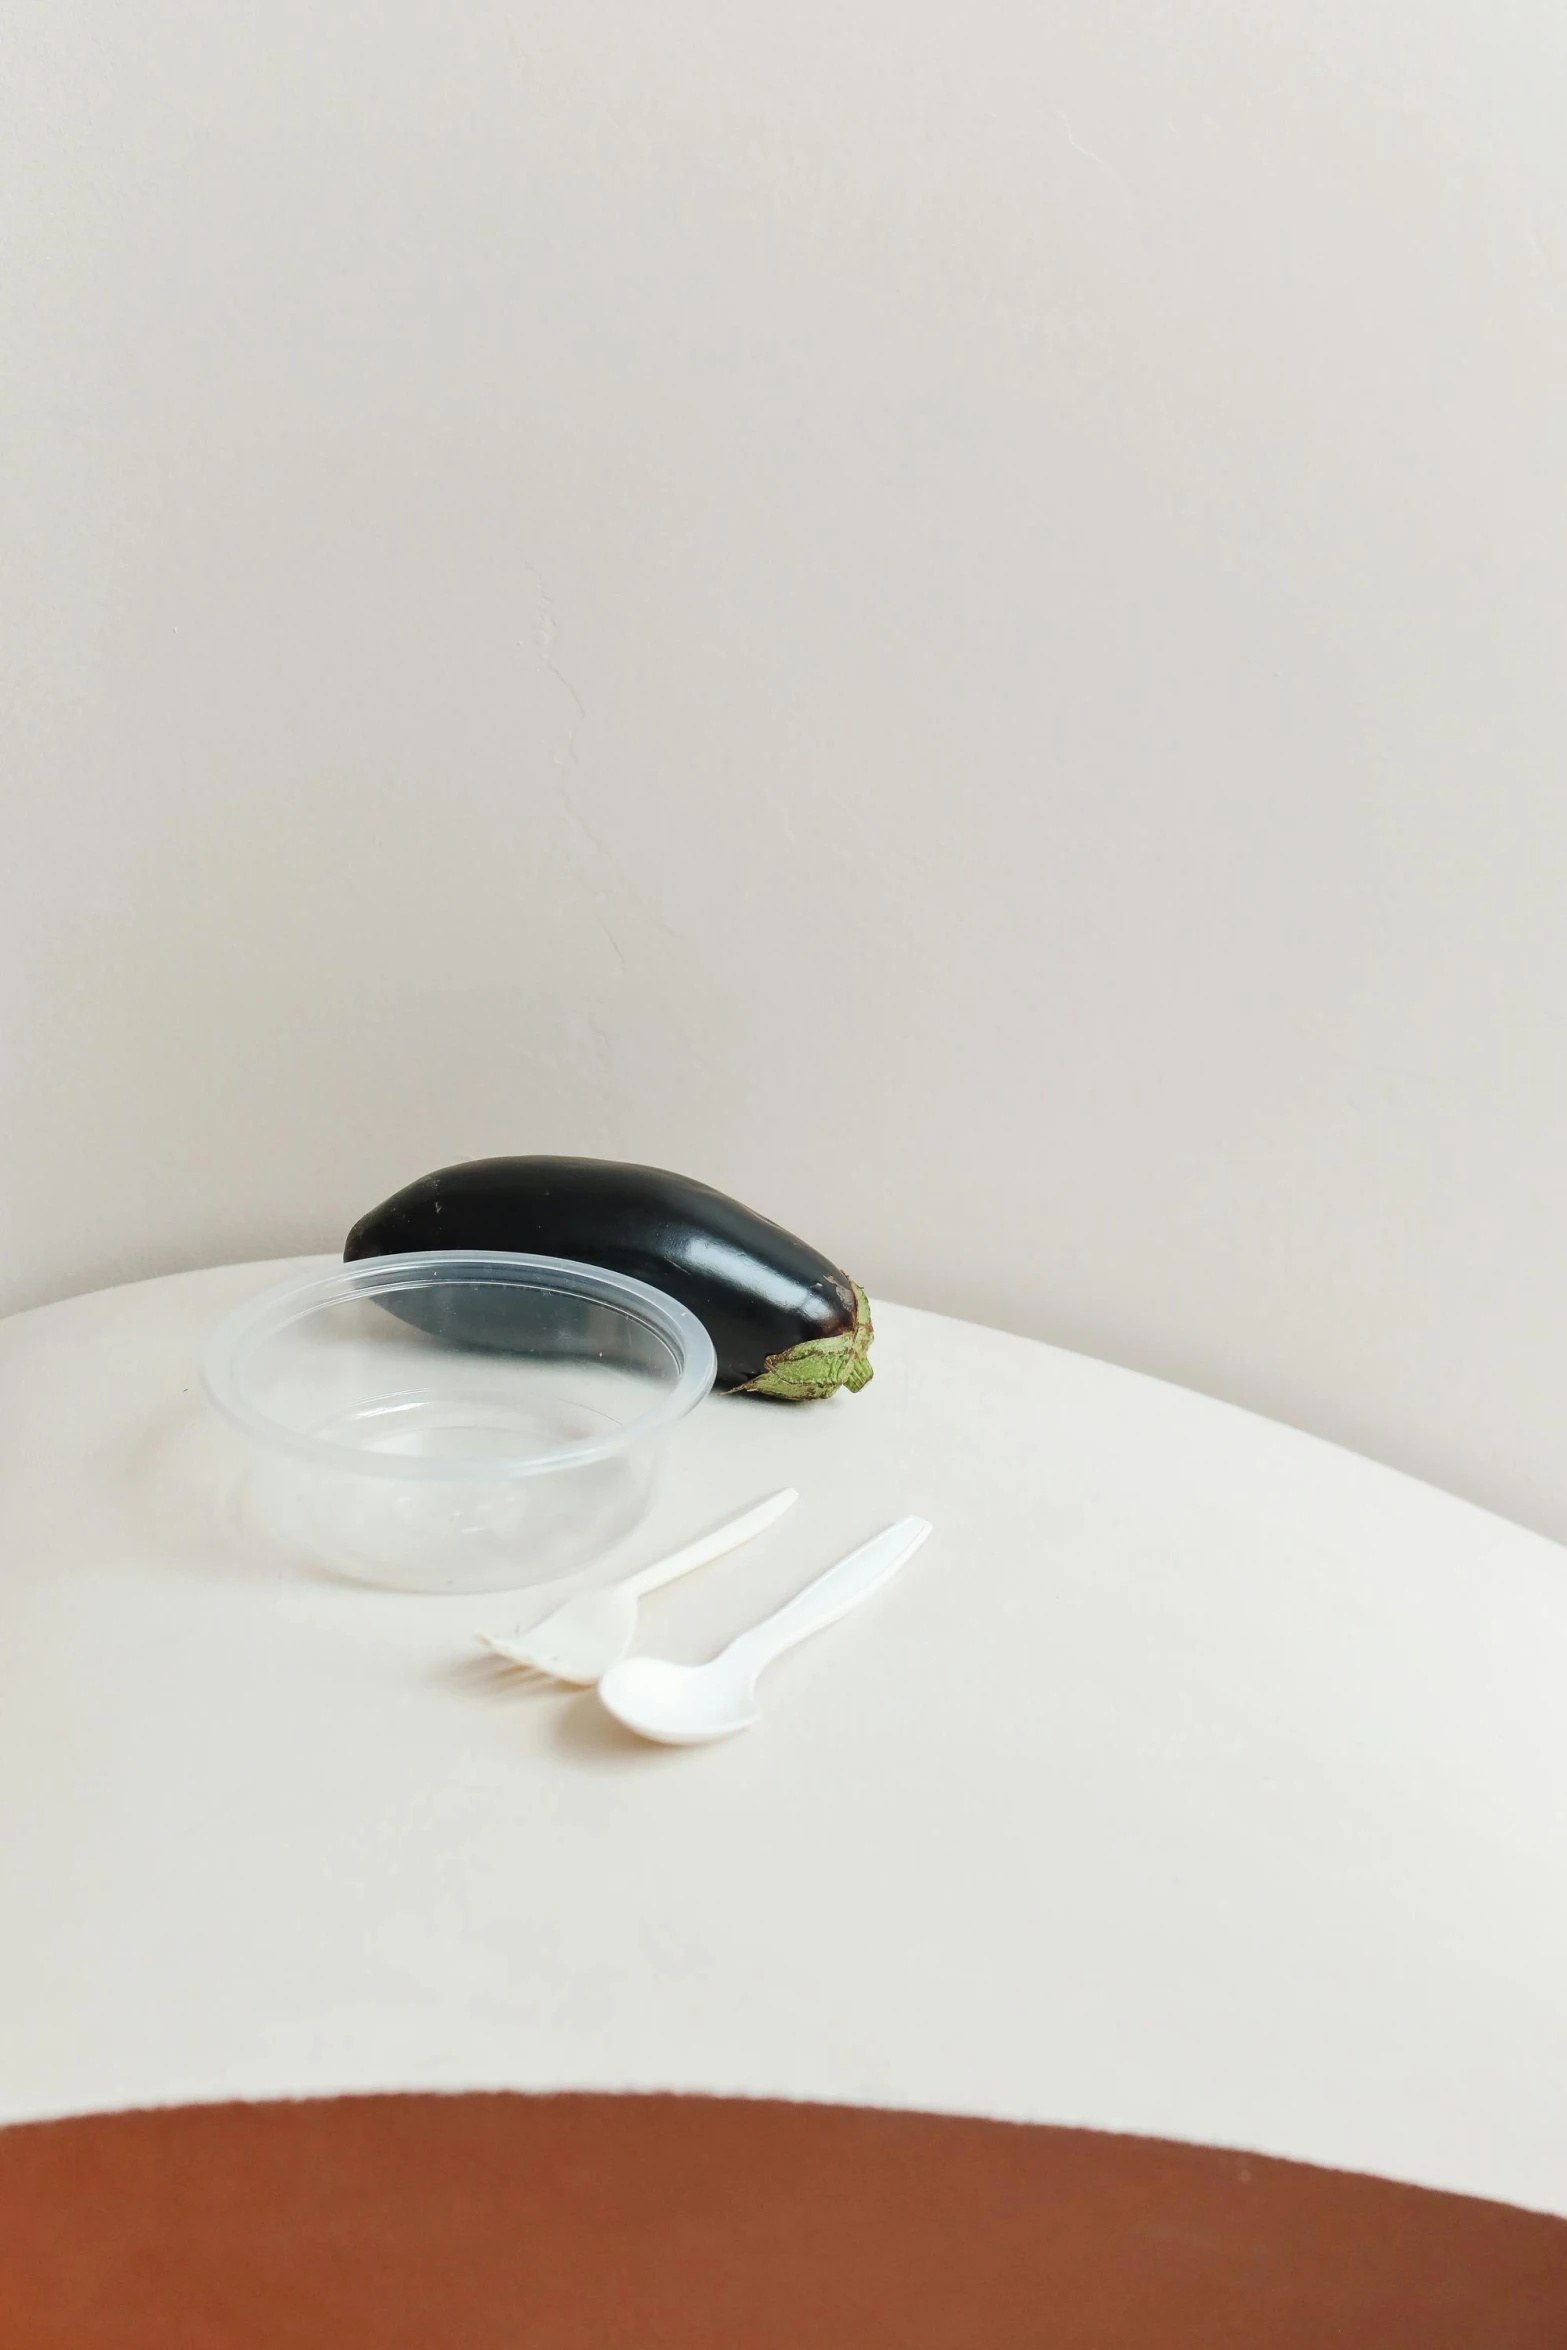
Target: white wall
(949,617)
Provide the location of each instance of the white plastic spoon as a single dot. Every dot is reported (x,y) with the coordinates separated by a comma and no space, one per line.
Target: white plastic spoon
(587,1634)
(684,1705)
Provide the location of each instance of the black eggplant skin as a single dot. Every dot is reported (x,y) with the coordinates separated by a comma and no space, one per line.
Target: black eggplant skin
(784,1321)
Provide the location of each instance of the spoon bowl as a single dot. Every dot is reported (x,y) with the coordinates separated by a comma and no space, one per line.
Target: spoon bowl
(682,1705)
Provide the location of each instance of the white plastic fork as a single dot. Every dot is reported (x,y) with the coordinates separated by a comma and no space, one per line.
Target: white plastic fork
(589,1633)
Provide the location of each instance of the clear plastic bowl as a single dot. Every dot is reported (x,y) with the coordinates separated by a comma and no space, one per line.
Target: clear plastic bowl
(457,1420)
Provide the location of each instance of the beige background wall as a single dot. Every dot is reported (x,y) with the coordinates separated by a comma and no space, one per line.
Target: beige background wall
(951,618)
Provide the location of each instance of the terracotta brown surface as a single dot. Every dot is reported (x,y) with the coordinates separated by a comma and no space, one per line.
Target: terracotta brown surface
(588,2223)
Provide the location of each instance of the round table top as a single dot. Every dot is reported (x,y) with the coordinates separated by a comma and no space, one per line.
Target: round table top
(1196,1779)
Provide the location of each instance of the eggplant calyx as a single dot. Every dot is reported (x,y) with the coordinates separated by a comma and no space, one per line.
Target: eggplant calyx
(819,1366)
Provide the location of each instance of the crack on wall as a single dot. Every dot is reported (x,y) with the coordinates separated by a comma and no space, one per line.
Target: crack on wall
(1076,143)
(543,641)
(598,867)
(546,636)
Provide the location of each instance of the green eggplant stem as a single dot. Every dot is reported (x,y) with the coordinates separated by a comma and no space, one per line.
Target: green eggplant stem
(820,1366)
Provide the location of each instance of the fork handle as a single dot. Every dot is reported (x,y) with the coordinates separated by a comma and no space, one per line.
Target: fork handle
(711,1546)
(832,1595)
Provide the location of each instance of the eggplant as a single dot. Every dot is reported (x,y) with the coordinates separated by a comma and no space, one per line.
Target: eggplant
(785,1322)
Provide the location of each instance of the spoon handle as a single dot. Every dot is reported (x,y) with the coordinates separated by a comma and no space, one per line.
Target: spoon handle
(710,1546)
(832,1595)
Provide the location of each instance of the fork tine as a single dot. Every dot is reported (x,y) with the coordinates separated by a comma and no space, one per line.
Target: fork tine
(510,1652)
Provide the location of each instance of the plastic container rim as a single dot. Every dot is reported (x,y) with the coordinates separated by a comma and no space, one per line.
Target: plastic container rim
(236,1339)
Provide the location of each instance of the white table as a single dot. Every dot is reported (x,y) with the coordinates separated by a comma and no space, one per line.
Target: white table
(1197,1779)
